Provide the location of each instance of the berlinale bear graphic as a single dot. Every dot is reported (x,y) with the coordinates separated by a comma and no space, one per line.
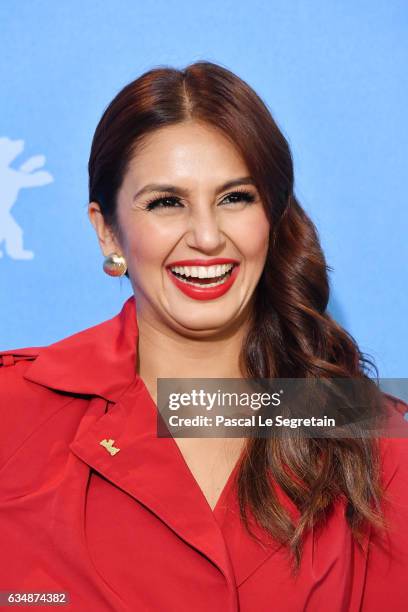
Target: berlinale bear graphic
(11,181)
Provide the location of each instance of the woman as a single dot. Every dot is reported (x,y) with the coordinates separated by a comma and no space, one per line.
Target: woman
(189,173)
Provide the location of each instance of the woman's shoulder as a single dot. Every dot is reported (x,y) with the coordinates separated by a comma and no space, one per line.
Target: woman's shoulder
(24,406)
(36,382)
(13,365)
(386,574)
(93,360)
(394,446)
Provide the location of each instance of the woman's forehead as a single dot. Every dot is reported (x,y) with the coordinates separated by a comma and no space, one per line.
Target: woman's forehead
(185,152)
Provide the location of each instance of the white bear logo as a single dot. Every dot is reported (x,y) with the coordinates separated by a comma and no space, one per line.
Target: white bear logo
(11,181)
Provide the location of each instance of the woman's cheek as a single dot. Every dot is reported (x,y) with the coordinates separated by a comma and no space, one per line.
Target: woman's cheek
(253,242)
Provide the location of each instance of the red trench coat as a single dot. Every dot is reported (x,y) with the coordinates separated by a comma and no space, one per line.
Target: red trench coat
(133,531)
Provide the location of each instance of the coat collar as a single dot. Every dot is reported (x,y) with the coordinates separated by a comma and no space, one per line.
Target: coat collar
(100,360)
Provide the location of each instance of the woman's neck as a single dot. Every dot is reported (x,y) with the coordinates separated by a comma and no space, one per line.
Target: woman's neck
(164,353)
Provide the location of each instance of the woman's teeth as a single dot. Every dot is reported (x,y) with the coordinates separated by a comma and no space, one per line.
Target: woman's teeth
(204,273)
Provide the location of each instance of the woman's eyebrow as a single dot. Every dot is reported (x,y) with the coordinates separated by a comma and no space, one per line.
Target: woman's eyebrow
(245,180)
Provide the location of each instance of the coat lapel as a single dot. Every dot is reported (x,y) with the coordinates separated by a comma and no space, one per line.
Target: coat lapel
(101,361)
(152,470)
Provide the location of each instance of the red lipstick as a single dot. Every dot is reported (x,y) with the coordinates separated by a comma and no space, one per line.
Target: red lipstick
(201,292)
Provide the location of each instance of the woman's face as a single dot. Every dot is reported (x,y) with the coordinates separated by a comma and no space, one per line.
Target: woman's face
(174,207)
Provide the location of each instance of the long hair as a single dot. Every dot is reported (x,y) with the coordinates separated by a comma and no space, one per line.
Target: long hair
(291,335)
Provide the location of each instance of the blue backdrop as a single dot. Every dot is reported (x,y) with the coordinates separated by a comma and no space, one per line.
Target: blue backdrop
(334,75)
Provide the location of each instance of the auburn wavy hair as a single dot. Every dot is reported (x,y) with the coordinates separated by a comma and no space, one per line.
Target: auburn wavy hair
(292,335)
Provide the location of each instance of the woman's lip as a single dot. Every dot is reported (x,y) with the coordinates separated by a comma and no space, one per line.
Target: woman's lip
(203,292)
(202,262)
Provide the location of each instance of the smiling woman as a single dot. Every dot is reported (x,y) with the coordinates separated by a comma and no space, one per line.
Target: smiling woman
(191,194)
(187,201)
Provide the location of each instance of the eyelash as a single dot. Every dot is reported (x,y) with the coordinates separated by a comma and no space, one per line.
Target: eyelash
(248,197)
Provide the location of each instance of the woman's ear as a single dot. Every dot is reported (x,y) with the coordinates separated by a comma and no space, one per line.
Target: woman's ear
(106,238)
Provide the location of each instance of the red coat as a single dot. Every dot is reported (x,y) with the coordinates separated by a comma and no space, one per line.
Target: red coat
(133,531)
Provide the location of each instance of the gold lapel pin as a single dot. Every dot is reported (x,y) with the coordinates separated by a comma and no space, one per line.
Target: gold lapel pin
(108,444)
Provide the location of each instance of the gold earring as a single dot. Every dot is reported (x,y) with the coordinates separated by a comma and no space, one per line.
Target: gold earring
(114,265)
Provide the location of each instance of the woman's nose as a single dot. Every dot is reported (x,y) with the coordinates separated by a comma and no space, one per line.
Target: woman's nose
(204,230)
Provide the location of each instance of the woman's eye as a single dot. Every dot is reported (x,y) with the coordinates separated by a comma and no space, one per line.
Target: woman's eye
(166,202)
(240,196)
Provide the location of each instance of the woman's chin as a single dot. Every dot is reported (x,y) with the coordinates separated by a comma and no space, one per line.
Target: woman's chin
(202,322)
